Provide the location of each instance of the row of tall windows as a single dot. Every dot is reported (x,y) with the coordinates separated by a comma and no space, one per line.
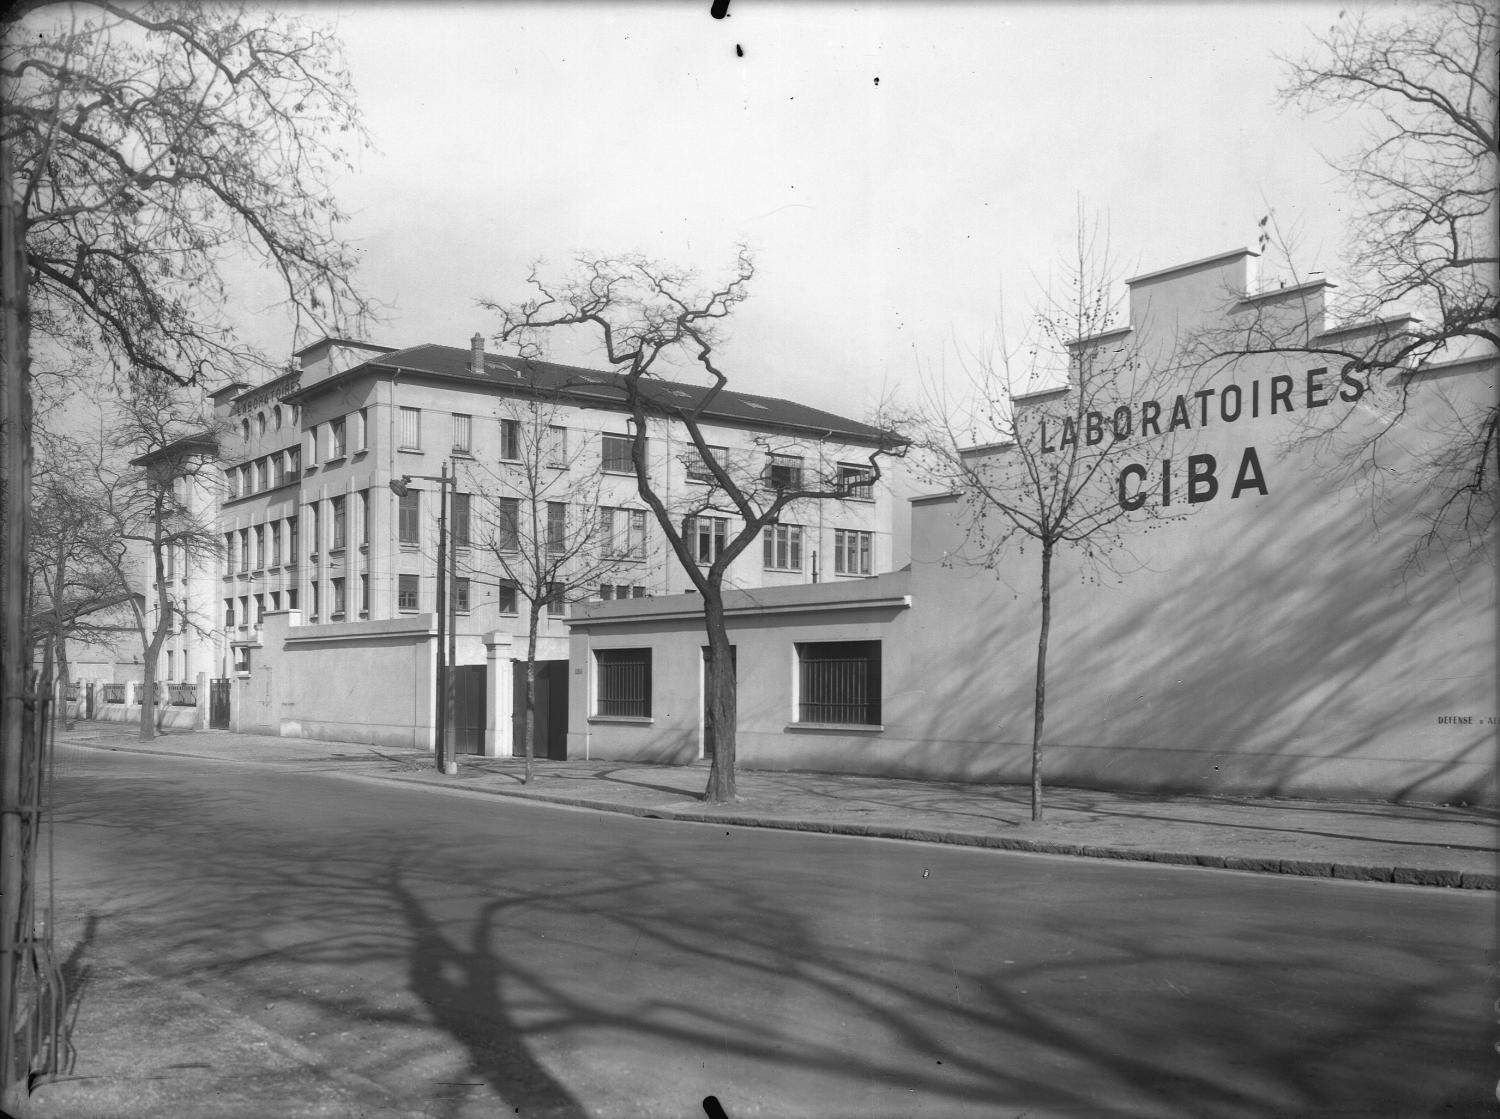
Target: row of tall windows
(261,546)
(268,472)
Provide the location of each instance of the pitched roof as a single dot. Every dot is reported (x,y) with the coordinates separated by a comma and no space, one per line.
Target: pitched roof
(596,388)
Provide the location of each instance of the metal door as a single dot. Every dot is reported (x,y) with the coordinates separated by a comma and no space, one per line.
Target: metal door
(551,712)
(218,703)
(468,708)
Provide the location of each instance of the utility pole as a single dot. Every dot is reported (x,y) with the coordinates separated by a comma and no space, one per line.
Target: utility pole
(447,762)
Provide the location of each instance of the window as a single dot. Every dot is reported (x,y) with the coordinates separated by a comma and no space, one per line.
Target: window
(557,600)
(364,517)
(245,487)
(312,447)
(615,450)
(783,547)
(362,429)
(229,552)
(291,599)
(260,609)
(229,613)
(557,446)
(623,532)
(557,527)
(508,528)
(340,522)
(260,546)
(364,595)
(260,423)
(510,440)
(263,474)
(293,461)
(276,418)
(232,483)
(856,479)
(409,429)
(623,682)
(274,557)
(278,470)
(169,555)
(337,435)
(312,605)
(244,549)
(244,611)
(462,432)
(838,682)
(505,597)
(459,526)
(698,470)
(171,665)
(461,595)
(785,472)
(851,552)
(338,600)
(275,601)
(291,541)
(706,536)
(408,510)
(406,592)
(313,541)
(609,591)
(245,428)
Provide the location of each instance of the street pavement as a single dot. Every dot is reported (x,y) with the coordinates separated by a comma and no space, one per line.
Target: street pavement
(206,1058)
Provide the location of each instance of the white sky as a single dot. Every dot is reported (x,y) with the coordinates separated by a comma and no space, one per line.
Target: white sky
(887,219)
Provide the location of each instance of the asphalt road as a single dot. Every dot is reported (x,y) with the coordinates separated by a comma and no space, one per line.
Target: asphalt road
(484,956)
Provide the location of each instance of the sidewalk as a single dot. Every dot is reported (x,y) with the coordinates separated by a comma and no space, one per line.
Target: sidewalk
(1421,845)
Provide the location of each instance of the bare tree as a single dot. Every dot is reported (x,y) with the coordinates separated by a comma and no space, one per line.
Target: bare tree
(1046,443)
(74,592)
(538,517)
(647,315)
(157,515)
(1421,269)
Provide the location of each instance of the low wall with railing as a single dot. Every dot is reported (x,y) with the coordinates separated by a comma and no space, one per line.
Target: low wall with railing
(180,705)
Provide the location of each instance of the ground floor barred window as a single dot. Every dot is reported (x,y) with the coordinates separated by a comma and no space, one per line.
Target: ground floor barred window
(838,682)
(623,682)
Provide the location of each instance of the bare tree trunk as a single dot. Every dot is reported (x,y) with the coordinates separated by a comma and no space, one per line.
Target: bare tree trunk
(148,696)
(528,728)
(1039,710)
(719,682)
(64,678)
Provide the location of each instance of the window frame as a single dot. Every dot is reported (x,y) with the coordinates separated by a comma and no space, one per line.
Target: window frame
(835,675)
(408,423)
(608,456)
(408,583)
(698,471)
(858,544)
(784,539)
(409,519)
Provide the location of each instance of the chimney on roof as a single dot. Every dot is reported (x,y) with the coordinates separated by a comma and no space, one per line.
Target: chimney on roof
(476,353)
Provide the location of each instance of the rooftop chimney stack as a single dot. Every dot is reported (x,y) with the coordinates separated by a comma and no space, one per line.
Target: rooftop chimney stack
(476,353)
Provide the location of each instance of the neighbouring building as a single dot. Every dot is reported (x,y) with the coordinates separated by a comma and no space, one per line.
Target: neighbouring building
(327,597)
(1275,640)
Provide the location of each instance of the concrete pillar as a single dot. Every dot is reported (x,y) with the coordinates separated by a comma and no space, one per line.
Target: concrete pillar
(498,660)
(200,716)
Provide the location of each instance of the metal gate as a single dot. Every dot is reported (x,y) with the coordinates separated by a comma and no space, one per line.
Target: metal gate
(551,711)
(218,703)
(468,708)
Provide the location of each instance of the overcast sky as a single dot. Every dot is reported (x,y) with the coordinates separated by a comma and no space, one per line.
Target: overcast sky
(898,168)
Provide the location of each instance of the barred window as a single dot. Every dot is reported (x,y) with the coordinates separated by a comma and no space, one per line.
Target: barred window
(785,472)
(623,682)
(409,429)
(851,552)
(783,547)
(856,482)
(838,682)
(615,451)
(699,471)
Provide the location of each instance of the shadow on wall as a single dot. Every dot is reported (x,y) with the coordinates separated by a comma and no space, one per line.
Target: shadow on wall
(1268,646)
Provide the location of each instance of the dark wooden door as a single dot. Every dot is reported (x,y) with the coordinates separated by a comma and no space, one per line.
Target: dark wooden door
(551,710)
(469,708)
(218,703)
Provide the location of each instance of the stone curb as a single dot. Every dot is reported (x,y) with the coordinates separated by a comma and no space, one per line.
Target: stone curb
(1407,876)
(1400,875)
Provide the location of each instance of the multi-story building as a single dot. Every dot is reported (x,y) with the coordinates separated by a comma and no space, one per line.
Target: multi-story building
(331,507)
